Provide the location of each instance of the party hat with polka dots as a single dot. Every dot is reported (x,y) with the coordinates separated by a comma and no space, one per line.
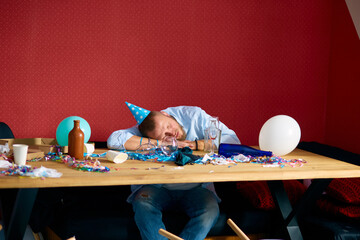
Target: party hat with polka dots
(139,113)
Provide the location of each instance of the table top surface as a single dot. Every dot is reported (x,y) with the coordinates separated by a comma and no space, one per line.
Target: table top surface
(140,172)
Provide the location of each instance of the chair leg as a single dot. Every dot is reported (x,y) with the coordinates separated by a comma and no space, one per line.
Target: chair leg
(169,235)
(237,230)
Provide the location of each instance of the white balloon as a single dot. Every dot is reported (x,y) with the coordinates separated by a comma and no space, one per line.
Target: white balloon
(280,135)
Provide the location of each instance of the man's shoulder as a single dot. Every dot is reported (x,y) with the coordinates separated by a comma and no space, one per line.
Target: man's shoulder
(186,114)
(183,109)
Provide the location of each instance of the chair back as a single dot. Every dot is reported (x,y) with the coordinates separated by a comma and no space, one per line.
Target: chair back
(5,131)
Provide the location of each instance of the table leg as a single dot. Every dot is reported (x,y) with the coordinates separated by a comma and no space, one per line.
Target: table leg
(291,215)
(21,212)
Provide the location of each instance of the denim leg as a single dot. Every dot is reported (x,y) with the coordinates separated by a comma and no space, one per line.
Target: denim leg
(148,205)
(202,207)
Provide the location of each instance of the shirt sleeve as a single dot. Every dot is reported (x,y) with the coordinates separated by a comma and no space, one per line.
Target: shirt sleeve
(228,135)
(118,138)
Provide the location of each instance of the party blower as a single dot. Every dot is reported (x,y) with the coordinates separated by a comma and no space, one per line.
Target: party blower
(228,150)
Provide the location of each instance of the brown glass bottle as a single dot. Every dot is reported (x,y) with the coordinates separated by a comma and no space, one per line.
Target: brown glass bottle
(76,141)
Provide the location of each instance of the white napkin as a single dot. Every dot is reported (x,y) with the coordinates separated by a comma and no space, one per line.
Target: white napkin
(4,148)
(44,172)
(5,164)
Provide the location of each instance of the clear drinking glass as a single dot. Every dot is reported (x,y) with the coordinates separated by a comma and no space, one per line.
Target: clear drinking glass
(209,143)
(213,132)
(169,145)
(146,148)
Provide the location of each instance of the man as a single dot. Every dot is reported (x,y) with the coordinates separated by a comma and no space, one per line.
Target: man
(198,200)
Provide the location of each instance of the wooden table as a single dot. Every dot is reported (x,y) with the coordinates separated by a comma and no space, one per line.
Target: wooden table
(321,169)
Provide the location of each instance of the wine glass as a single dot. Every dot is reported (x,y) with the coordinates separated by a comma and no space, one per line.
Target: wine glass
(146,148)
(169,145)
(213,133)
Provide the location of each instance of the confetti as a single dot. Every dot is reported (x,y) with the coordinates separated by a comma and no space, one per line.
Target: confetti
(265,161)
(84,165)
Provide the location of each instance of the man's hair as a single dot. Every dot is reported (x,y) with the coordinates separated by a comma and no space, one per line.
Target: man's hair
(148,124)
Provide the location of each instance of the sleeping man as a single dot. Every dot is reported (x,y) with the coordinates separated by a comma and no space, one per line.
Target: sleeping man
(198,200)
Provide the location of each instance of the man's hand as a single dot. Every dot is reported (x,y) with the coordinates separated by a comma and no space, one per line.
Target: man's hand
(191,144)
(187,143)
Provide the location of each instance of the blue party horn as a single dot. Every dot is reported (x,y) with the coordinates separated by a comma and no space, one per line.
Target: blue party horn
(228,150)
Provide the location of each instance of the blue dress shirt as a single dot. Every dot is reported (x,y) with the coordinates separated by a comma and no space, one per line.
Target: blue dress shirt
(194,121)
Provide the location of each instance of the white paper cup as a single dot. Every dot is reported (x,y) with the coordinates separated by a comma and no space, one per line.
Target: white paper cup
(89,148)
(116,157)
(20,153)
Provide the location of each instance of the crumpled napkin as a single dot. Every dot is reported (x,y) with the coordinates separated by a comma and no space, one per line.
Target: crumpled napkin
(184,156)
(44,172)
(4,148)
(5,164)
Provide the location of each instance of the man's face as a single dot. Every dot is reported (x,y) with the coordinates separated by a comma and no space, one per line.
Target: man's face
(165,125)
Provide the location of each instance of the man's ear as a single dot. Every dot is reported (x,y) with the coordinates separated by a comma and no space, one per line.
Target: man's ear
(165,113)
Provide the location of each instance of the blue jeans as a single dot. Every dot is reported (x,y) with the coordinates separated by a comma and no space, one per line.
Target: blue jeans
(198,203)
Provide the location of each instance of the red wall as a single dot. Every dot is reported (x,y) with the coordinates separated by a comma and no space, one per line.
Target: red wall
(343,111)
(244,61)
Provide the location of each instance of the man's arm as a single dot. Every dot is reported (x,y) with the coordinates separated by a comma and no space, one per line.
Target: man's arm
(118,138)
(130,140)
(191,144)
(134,142)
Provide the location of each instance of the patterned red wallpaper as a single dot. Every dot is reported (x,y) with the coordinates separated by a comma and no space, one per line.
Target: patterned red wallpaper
(244,61)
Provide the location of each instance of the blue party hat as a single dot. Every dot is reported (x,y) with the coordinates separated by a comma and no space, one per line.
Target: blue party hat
(139,113)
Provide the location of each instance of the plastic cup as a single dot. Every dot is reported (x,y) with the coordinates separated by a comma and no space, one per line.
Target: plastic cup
(116,157)
(20,153)
(89,148)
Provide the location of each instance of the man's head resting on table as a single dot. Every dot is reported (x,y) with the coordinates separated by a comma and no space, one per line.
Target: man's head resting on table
(156,125)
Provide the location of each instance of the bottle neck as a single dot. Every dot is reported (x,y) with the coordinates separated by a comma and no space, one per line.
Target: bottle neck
(76,124)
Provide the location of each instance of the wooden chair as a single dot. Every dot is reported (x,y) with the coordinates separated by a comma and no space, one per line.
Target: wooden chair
(5,131)
(237,230)
(169,235)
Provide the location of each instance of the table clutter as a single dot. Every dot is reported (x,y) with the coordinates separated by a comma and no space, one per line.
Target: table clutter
(94,162)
